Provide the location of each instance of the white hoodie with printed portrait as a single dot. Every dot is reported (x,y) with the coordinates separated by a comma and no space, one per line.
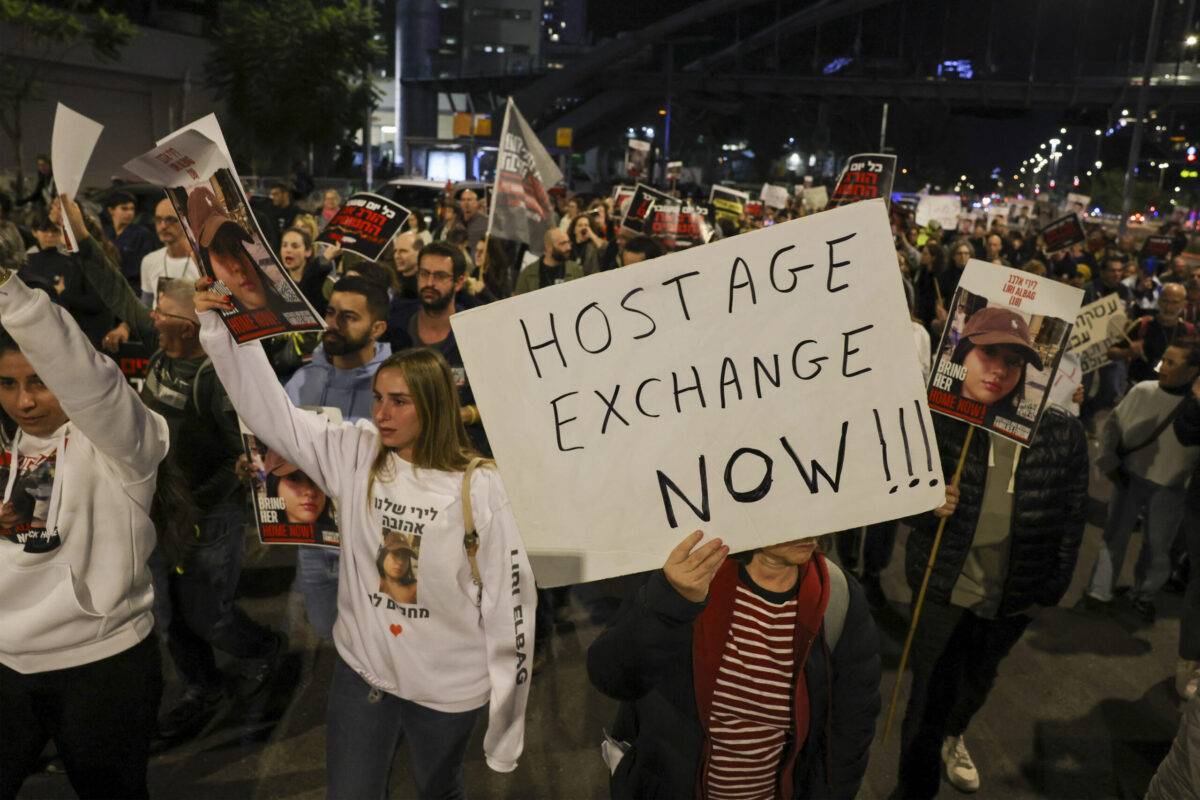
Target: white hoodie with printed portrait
(437,648)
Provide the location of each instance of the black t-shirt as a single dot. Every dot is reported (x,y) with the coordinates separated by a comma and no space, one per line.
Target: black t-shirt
(548,275)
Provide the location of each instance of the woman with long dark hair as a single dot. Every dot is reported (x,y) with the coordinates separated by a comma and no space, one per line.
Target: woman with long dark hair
(428,667)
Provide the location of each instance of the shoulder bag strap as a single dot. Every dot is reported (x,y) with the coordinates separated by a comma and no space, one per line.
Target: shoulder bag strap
(1149,440)
(470,537)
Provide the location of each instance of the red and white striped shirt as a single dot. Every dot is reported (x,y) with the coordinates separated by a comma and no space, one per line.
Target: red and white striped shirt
(752,700)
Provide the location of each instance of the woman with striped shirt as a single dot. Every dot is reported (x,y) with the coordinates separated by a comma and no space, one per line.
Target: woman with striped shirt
(742,678)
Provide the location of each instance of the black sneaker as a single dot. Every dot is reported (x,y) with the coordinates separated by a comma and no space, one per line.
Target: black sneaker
(1095,605)
(257,673)
(874,591)
(1144,608)
(195,709)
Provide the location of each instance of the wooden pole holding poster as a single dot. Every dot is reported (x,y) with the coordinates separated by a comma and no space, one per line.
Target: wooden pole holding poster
(920,601)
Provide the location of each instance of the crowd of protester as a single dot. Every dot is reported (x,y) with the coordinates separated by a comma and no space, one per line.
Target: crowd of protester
(739,675)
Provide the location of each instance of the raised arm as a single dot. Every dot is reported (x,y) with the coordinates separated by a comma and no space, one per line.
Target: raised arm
(328,453)
(91,389)
(108,282)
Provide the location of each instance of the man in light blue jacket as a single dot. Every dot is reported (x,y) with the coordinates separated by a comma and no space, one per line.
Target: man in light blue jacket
(339,376)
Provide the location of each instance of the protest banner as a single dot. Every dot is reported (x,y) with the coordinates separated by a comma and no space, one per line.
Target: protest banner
(866,176)
(520,207)
(288,506)
(1098,326)
(1067,381)
(621,196)
(225,237)
(637,156)
(999,353)
(994,213)
(674,170)
(1157,246)
(134,360)
(1021,213)
(764,387)
(773,196)
(940,208)
(727,203)
(365,224)
(1062,233)
(71,144)
(1077,204)
(815,198)
(639,215)
(678,227)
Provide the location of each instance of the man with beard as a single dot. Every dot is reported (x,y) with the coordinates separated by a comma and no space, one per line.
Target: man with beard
(339,376)
(425,322)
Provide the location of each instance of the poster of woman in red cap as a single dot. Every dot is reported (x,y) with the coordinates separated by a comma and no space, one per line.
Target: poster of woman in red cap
(998,356)
(289,507)
(229,246)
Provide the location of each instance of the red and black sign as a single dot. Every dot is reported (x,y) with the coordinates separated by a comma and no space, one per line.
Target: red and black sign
(1157,246)
(365,225)
(1063,232)
(865,177)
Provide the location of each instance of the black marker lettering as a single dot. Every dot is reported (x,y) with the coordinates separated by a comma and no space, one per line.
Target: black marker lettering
(733,286)
(695,387)
(792,270)
(836,264)
(649,318)
(665,483)
(610,408)
(678,281)
(637,397)
(558,423)
(848,351)
(553,340)
(760,369)
(764,485)
(816,362)
(728,368)
(607,328)
(811,479)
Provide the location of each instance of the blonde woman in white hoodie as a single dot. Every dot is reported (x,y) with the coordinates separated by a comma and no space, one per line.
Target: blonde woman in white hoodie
(459,637)
(79,663)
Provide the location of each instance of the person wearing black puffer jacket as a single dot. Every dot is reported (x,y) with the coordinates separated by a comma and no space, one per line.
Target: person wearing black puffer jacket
(1009,549)
(713,704)
(1187,674)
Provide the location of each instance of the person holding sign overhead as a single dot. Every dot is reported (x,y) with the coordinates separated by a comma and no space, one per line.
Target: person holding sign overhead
(428,663)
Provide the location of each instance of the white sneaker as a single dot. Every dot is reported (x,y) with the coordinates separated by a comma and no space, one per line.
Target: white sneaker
(960,769)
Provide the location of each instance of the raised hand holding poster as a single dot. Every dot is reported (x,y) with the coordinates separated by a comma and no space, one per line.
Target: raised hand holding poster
(764,388)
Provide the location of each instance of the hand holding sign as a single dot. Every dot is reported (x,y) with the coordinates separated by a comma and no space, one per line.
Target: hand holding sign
(691,571)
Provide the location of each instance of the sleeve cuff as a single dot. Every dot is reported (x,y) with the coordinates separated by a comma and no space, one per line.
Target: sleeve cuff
(661,598)
(497,765)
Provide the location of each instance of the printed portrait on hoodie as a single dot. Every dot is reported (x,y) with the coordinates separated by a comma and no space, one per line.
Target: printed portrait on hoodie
(27,500)
(397,565)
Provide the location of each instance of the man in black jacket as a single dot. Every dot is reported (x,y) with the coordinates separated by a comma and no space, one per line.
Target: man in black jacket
(677,662)
(1187,674)
(1010,547)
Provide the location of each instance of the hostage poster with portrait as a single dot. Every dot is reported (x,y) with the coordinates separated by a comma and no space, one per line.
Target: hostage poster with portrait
(365,224)
(225,238)
(288,506)
(996,362)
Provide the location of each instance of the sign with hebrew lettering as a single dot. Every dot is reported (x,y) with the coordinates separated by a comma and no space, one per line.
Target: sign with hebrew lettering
(1098,326)
(1000,351)
(764,388)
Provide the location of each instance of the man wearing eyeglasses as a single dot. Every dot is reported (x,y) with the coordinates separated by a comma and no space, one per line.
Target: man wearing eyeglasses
(194,608)
(171,261)
(425,322)
(339,376)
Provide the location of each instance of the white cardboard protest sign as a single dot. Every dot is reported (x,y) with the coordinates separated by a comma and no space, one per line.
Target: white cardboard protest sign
(71,145)
(774,196)
(941,208)
(816,197)
(1098,326)
(763,388)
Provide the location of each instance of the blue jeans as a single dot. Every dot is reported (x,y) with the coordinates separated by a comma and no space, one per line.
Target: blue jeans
(317,580)
(364,726)
(1163,512)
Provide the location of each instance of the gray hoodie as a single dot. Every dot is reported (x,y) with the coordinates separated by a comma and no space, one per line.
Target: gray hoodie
(319,383)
